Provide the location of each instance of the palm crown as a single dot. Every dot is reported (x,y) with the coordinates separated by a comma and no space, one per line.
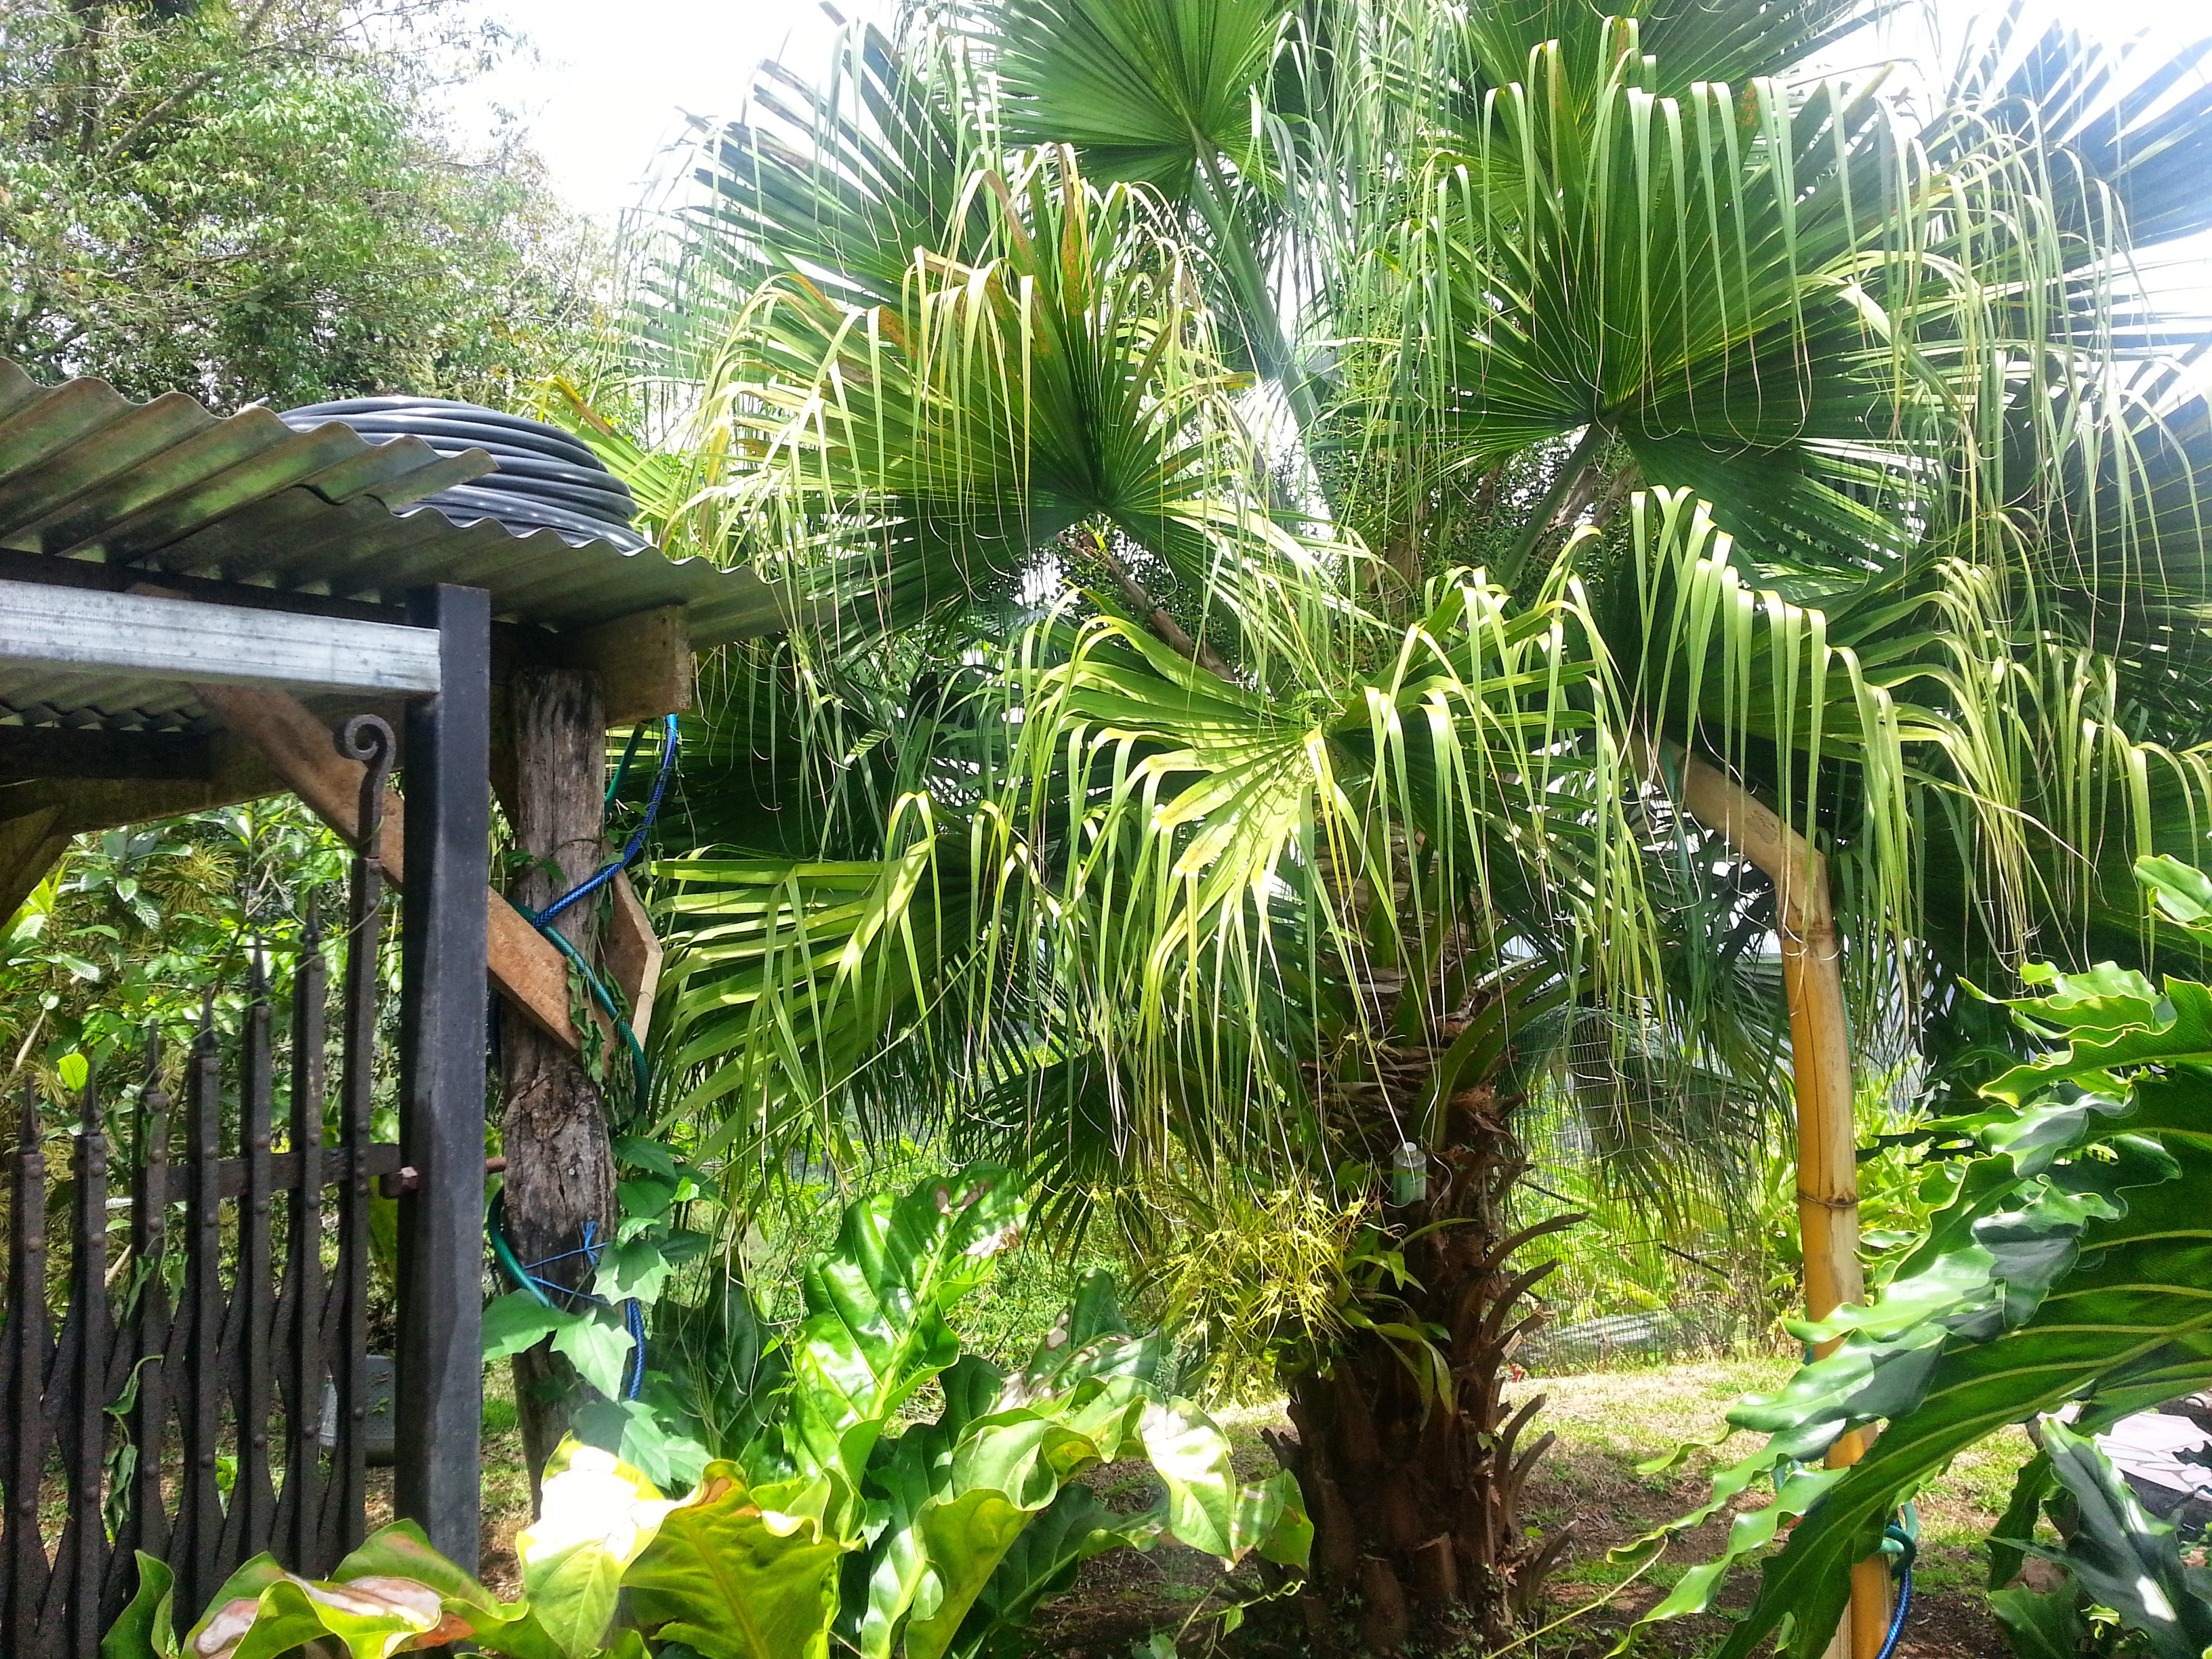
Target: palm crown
(1249,480)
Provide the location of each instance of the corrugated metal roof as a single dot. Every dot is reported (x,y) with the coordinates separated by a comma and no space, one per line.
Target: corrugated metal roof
(167,487)
(108,700)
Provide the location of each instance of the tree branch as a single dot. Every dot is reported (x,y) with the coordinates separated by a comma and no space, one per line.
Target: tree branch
(1162,624)
(1559,496)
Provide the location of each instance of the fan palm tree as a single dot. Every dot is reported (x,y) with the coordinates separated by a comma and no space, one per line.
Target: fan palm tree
(1251,482)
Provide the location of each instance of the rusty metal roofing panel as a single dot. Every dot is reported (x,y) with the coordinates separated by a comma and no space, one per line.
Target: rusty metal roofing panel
(167,487)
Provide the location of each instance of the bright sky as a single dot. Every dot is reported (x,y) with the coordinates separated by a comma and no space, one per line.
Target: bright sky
(609,85)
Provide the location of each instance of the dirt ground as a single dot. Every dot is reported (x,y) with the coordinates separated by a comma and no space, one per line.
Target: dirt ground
(1606,1423)
(1609,1422)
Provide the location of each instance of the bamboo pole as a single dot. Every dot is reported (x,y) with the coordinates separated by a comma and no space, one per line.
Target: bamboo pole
(1820,1064)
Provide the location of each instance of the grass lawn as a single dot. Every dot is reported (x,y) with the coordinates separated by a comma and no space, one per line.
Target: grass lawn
(1609,1422)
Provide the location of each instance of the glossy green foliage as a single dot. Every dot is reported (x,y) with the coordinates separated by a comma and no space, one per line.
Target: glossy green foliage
(2067,1268)
(734,1575)
(393,1594)
(829,1517)
(2117,1558)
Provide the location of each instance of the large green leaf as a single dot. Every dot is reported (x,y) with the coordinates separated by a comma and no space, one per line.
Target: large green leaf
(960,1492)
(2067,1266)
(1042,1561)
(596,1516)
(950,1502)
(2041,1624)
(734,1576)
(1157,91)
(146,1628)
(876,1303)
(2125,1559)
(1195,1463)
(394,1593)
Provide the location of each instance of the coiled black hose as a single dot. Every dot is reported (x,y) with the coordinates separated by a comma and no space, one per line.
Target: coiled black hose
(547,479)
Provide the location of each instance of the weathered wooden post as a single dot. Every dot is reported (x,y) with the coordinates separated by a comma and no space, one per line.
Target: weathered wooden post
(440,1385)
(559,1168)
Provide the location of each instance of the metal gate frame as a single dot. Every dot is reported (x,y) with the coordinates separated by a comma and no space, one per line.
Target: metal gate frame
(441,661)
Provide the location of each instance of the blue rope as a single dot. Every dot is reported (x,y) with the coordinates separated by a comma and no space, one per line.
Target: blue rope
(633,1317)
(526,1275)
(1908,1550)
(592,882)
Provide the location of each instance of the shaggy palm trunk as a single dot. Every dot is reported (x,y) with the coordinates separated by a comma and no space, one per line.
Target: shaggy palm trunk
(1416,1500)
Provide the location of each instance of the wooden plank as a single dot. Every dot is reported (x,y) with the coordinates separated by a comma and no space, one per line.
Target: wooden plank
(81,628)
(29,848)
(55,751)
(530,973)
(238,773)
(643,662)
(632,953)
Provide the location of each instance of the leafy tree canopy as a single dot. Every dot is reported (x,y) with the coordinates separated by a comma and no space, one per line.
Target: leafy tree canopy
(253,198)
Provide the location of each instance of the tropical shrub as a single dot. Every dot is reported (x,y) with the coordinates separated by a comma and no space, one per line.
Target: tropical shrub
(2126,1587)
(823,1510)
(937,1536)
(2067,1268)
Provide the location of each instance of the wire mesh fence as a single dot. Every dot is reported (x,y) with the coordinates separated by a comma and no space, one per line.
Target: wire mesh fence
(1677,1258)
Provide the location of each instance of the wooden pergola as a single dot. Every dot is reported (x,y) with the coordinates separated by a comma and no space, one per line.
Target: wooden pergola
(188,604)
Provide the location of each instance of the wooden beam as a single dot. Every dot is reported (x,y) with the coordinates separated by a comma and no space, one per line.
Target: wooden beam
(1820,1067)
(28,846)
(530,973)
(632,953)
(237,772)
(60,751)
(81,628)
(643,662)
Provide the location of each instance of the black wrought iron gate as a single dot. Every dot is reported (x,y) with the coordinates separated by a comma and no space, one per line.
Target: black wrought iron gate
(196,1388)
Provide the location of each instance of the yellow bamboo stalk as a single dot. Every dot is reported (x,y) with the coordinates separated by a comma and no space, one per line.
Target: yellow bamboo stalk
(1820,1064)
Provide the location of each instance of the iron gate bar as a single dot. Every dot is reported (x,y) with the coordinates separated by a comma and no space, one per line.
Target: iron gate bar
(22,1432)
(300,1510)
(199,1516)
(136,1371)
(370,741)
(146,1523)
